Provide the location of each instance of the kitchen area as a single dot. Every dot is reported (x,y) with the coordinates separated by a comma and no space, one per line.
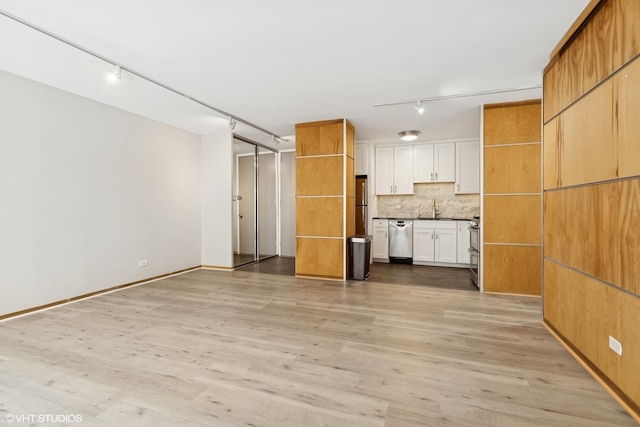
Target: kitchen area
(424,203)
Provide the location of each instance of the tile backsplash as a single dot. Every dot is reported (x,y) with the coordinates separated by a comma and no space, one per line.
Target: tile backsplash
(449,205)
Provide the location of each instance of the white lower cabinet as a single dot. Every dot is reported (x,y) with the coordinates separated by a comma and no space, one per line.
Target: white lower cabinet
(380,244)
(464,241)
(423,243)
(435,241)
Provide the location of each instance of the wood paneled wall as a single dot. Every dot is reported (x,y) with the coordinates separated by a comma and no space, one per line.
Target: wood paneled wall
(592,194)
(512,198)
(325,198)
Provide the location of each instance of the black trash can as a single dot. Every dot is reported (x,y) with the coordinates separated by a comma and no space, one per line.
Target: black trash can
(360,252)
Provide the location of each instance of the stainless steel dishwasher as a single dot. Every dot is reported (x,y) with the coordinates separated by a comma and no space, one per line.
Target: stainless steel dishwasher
(401,241)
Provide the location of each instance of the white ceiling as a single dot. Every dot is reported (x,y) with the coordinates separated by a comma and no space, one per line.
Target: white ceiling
(281,62)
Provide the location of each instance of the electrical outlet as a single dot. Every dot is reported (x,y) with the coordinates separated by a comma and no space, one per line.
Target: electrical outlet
(615,345)
(142,263)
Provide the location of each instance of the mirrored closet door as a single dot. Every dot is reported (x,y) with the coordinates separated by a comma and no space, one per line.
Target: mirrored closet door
(255,202)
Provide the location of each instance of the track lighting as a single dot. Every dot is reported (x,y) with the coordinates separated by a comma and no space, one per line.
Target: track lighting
(115,74)
(274,140)
(409,135)
(419,108)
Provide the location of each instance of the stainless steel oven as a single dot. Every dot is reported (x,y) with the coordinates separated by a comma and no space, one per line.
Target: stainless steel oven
(474,249)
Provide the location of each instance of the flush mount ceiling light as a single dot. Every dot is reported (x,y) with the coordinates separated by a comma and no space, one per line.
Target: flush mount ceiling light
(409,135)
(419,108)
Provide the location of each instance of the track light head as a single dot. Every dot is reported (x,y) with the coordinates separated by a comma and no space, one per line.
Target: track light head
(115,74)
(419,108)
(275,140)
(232,123)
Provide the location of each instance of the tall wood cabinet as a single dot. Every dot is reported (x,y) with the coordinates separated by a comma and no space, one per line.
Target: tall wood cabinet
(512,198)
(592,194)
(325,198)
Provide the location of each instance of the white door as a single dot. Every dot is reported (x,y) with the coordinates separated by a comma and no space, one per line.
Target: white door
(380,243)
(423,244)
(445,162)
(467,167)
(384,170)
(423,163)
(403,170)
(446,245)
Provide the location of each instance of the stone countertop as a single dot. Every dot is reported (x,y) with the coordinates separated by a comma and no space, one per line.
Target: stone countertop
(425,218)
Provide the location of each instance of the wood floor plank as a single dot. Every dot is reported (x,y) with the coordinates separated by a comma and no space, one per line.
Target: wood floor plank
(211,348)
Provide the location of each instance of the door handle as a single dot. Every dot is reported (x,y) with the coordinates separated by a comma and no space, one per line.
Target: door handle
(458,187)
(436,176)
(431,176)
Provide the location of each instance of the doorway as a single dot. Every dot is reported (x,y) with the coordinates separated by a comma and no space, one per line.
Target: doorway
(255,207)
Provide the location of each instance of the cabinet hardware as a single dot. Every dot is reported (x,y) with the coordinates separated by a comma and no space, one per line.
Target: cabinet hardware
(431,176)
(436,176)
(458,187)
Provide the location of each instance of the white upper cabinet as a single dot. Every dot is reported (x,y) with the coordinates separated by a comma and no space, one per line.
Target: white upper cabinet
(434,163)
(403,170)
(423,163)
(467,167)
(444,160)
(361,160)
(394,170)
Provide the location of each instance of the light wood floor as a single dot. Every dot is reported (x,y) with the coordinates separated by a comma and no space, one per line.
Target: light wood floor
(243,348)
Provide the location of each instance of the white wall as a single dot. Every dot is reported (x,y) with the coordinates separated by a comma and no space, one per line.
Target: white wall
(288,203)
(217,191)
(86,191)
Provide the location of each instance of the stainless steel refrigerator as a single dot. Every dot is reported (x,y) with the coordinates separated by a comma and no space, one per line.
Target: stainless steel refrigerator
(361,204)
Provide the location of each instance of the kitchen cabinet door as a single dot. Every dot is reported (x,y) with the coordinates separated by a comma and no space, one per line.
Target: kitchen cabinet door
(403,170)
(463,243)
(444,166)
(446,243)
(423,244)
(384,170)
(361,160)
(467,167)
(423,163)
(380,244)
(394,170)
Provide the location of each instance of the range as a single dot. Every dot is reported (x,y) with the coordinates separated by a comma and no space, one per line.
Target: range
(474,249)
